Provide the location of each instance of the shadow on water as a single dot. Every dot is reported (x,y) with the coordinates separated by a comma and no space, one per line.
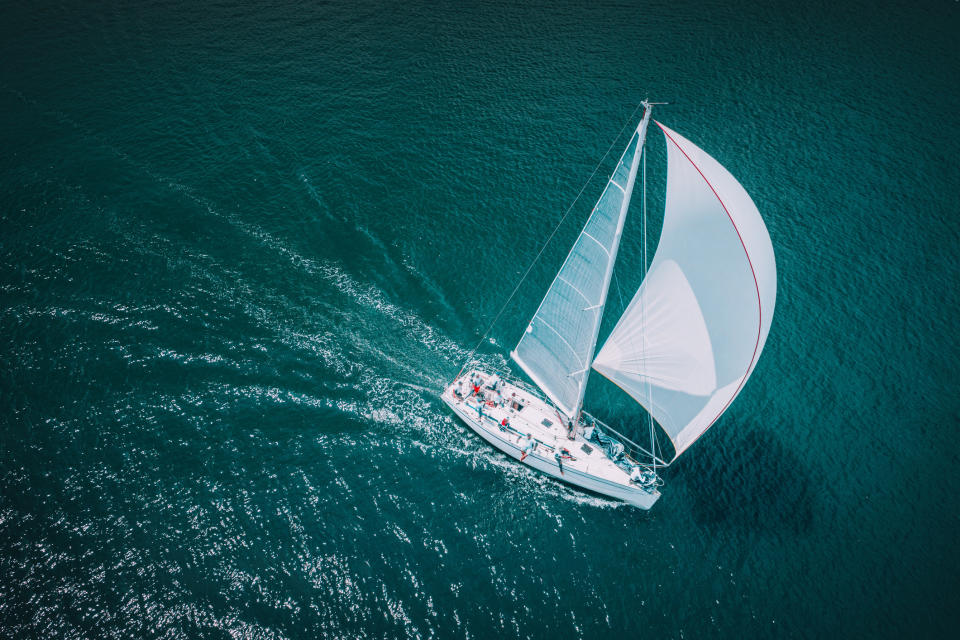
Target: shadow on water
(760,485)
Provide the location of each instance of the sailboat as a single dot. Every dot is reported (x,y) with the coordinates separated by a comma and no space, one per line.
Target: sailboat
(683,348)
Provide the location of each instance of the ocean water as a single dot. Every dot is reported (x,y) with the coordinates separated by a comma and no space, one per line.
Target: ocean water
(244,246)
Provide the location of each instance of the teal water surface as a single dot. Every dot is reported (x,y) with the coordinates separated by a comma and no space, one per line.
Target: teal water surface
(244,246)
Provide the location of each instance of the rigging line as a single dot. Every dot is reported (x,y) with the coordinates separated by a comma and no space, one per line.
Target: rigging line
(547,241)
(654,444)
(653,452)
(619,293)
(643,307)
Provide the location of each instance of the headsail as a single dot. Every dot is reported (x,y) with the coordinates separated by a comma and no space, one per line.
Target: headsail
(692,334)
(558,345)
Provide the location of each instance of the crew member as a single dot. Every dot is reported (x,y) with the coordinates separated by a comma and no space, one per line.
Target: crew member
(527,445)
(558,454)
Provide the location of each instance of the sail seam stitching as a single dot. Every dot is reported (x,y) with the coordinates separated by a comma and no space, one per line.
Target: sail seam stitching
(598,242)
(569,346)
(571,285)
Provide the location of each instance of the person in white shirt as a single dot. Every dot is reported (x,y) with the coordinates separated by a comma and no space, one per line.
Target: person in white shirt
(527,445)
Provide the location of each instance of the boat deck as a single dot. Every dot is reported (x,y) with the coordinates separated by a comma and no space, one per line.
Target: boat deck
(526,413)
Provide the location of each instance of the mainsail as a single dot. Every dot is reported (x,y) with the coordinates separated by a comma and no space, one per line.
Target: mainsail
(691,336)
(557,348)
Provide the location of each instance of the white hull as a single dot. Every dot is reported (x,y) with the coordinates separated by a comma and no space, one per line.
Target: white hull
(591,469)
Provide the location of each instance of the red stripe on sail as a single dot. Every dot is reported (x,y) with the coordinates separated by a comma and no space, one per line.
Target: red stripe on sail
(756,346)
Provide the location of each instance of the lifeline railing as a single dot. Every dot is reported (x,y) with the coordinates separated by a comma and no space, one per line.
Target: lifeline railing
(632,450)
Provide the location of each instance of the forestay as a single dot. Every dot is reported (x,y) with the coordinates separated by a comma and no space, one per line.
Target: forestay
(558,345)
(692,334)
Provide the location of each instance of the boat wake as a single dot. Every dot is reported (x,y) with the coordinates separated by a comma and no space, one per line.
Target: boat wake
(337,346)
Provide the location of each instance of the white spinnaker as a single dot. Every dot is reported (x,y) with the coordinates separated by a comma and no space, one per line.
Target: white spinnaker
(558,345)
(693,332)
